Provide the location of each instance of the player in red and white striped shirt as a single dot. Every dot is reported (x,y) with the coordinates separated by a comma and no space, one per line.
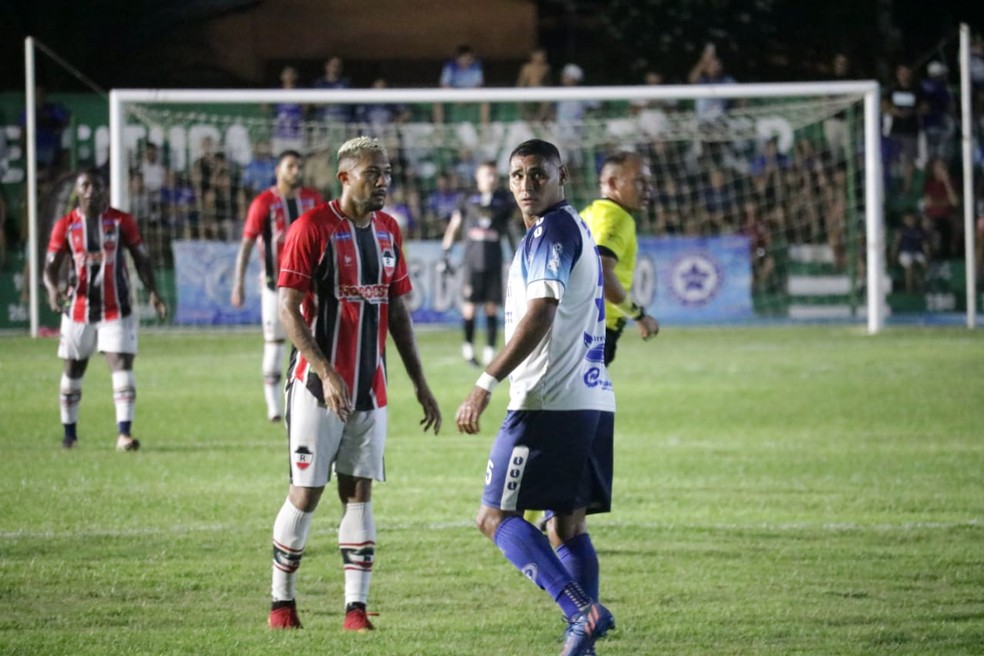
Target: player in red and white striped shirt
(343,281)
(96,306)
(269,216)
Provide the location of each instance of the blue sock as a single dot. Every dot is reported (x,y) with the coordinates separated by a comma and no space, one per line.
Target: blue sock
(529,551)
(70,431)
(580,558)
(124,427)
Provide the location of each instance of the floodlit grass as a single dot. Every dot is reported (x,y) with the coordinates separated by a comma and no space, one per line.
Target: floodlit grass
(778,491)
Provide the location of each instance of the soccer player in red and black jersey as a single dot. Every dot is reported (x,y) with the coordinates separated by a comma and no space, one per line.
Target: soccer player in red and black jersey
(269,216)
(96,306)
(343,281)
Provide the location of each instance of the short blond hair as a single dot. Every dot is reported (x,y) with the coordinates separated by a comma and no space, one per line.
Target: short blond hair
(354,149)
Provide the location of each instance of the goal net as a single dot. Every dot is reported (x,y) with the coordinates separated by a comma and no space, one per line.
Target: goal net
(766,198)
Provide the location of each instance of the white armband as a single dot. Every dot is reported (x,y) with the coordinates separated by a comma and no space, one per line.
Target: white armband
(487,382)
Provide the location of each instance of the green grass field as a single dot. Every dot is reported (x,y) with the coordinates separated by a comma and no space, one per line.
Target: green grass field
(778,491)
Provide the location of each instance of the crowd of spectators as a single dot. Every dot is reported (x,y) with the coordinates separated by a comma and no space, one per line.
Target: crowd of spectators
(802,194)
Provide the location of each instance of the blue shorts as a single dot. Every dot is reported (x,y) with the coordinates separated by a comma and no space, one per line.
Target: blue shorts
(552,460)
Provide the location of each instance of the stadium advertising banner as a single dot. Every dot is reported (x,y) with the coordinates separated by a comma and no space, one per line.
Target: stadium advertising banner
(677,280)
(694,279)
(204,275)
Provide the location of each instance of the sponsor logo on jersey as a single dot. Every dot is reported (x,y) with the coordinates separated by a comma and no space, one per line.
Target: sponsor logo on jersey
(371,293)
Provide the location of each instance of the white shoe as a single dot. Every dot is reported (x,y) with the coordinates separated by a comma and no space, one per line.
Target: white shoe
(467,351)
(487,355)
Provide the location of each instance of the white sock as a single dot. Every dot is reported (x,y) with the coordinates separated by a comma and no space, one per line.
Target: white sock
(71,396)
(290,533)
(124,394)
(273,356)
(357,542)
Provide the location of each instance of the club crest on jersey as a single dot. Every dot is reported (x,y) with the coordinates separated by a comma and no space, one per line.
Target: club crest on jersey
(303,457)
(389,260)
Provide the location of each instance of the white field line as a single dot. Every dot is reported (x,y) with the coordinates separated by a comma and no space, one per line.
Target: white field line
(833,527)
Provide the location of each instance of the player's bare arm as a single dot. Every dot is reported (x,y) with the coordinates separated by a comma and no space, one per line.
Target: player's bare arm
(242,261)
(145,270)
(530,331)
(56,296)
(616,295)
(336,392)
(401,328)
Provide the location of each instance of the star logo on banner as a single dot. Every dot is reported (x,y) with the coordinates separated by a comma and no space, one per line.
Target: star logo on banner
(695,278)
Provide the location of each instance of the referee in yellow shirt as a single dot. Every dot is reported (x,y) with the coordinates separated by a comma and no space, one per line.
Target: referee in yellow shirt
(626,187)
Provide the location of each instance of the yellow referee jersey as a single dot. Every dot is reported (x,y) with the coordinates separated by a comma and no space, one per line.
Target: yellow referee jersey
(614,228)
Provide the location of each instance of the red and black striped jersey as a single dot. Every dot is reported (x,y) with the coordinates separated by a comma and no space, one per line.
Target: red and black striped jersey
(269,216)
(348,274)
(99,284)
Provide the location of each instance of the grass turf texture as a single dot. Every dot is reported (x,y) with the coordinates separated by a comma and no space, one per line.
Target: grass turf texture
(778,491)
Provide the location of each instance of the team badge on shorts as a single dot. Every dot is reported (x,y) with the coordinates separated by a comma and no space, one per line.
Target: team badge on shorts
(303,457)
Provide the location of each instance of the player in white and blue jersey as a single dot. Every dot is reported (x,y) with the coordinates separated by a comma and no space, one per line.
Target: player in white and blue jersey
(554,448)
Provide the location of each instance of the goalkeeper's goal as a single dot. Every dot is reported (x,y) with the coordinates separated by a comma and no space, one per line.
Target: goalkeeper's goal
(792,171)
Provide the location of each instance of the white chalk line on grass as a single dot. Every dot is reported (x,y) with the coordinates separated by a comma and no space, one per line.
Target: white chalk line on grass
(181,529)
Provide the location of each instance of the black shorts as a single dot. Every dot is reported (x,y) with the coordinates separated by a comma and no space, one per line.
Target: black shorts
(482,286)
(611,340)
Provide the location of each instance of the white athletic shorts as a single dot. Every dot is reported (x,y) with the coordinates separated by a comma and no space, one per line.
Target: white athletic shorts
(78,341)
(273,330)
(907,258)
(319,440)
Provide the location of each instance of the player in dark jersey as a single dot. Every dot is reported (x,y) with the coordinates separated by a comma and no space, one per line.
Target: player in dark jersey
(343,279)
(269,216)
(484,219)
(96,307)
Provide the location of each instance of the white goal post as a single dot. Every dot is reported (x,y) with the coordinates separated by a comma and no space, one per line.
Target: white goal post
(122,101)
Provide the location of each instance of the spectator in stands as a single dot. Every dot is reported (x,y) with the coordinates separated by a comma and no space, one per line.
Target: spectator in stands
(377,116)
(977,62)
(154,174)
(904,193)
(710,70)
(463,72)
(202,179)
(570,115)
(404,205)
(333,79)
(180,206)
(671,208)
(937,120)
(833,198)
(720,208)
(711,112)
(901,107)
(288,126)
(756,228)
(940,205)
(51,120)
(261,171)
(441,204)
(770,160)
(535,72)
(229,201)
(835,129)
(651,78)
(912,251)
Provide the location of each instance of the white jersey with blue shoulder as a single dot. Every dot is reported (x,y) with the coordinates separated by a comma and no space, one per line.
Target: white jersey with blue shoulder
(559,259)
